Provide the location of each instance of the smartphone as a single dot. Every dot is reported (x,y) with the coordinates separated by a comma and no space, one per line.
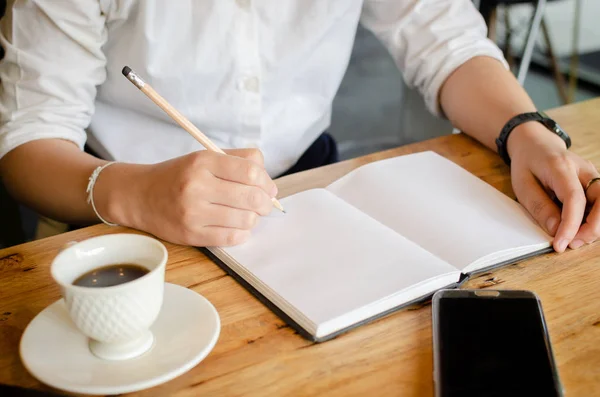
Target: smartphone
(492,343)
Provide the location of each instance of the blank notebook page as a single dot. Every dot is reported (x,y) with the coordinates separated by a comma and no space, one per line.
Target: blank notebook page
(326,258)
(440,206)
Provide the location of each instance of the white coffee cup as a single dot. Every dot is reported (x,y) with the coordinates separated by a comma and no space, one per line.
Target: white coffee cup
(117,319)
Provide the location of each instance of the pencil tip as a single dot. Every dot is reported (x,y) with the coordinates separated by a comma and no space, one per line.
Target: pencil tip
(126,70)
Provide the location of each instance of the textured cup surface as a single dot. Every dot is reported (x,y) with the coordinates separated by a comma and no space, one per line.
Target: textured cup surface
(119,313)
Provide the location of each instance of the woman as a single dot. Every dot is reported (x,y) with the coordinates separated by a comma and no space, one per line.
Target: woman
(250,74)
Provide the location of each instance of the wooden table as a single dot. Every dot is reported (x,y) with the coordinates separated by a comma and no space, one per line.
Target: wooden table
(257,354)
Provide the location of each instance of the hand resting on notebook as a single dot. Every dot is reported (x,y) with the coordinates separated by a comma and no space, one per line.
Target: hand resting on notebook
(541,161)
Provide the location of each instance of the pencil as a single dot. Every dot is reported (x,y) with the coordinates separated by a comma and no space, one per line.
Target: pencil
(178,117)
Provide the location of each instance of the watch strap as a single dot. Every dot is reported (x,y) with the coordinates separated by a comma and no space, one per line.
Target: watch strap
(501,141)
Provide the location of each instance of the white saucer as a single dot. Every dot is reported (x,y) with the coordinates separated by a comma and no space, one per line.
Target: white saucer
(54,351)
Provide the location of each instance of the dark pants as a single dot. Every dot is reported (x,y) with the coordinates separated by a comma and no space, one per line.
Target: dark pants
(13,226)
(323,151)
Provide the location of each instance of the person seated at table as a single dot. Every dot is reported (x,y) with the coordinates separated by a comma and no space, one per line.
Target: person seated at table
(249,74)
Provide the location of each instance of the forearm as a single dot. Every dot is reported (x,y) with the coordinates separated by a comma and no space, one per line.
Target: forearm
(51,177)
(481,96)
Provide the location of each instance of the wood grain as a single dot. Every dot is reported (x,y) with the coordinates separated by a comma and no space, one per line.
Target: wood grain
(258,355)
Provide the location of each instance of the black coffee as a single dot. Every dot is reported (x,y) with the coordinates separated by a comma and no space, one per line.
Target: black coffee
(107,276)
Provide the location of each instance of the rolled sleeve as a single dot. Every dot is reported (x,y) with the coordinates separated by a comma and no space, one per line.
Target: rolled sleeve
(52,65)
(429,39)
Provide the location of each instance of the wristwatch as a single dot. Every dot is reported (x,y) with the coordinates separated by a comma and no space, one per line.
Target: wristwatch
(523,118)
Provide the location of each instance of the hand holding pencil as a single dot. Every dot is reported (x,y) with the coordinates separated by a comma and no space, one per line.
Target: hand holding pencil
(206,198)
(177,116)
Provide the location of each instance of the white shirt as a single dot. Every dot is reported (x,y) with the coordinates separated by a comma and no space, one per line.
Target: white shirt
(248,73)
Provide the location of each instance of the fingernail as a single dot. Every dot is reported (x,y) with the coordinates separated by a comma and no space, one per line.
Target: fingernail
(274,191)
(576,244)
(551,225)
(562,245)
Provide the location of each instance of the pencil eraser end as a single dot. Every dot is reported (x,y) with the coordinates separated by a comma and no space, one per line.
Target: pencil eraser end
(126,70)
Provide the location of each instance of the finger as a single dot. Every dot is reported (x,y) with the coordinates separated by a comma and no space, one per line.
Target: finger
(254,155)
(590,230)
(535,199)
(569,191)
(243,171)
(593,191)
(243,197)
(224,216)
(587,172)
(217,236)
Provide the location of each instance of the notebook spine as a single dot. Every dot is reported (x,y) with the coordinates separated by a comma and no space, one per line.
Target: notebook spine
(280,313)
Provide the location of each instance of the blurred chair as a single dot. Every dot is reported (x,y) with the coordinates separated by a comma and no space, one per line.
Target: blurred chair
(488,9)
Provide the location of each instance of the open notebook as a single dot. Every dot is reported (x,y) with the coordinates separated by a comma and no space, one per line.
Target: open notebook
(386,235)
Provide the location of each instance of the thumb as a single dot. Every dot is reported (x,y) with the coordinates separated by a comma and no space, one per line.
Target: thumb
(254,155)
(535,199)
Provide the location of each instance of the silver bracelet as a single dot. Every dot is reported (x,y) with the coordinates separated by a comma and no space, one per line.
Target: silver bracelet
(90,190)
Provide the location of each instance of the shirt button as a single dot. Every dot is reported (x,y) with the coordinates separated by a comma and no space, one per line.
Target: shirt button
(245,4)
(251,84)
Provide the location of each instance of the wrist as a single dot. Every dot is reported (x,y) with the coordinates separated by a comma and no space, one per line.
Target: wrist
(116,194)
(530,131)
(531,136)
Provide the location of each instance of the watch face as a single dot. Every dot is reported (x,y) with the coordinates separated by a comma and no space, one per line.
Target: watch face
(554,127)
(551,124)
(557,128)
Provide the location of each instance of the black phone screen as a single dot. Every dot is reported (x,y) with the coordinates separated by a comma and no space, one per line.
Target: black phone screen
(493,347)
